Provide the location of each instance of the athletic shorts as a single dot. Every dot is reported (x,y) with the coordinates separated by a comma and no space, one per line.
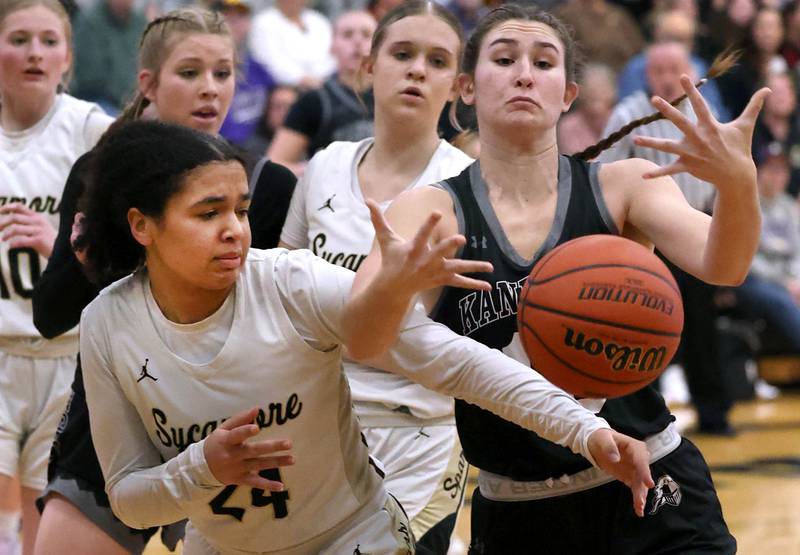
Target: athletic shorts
(75,473)
(380,527)
(682,515)
(427,472)
(33,393)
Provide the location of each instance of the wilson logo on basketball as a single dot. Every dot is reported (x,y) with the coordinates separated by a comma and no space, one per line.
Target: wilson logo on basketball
(621,357)
(622,294)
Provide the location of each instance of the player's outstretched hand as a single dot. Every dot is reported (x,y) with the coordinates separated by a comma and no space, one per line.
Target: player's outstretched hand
(234,460)
(21,227)
(626,459)
(712,151)
(417,265)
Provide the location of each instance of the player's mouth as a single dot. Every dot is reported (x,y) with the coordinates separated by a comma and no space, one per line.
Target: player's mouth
(412,92)
(230,260)
(206,113)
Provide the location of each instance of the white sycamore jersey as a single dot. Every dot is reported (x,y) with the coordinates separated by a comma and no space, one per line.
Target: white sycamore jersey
(34,165)
(328,215)
(282,354)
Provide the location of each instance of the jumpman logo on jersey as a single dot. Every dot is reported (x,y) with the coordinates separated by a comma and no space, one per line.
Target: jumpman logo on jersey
(327,204)
(144,373)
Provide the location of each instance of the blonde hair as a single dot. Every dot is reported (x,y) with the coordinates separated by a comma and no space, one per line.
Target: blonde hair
(160,37)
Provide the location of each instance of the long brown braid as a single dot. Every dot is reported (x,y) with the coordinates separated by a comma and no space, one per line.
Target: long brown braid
(721,65)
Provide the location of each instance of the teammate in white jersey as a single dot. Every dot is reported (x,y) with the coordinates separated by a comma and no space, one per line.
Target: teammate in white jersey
(186,73)
(42,132)
(203,329)
(412,64)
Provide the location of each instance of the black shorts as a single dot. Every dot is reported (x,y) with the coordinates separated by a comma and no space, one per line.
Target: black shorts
(74,473)
(682,515)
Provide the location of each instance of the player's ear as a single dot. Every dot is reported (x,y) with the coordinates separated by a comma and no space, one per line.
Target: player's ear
(141,227)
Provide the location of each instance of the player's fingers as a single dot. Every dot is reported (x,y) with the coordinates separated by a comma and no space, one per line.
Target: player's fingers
(382,229)
(750,113)
(664,145)
(262,463)
(240,419)
(255,481)
(18,230)
(22,242)
(458,266)
(257,449)
(15,208)
(675,116)
(239,435)
(447,246)
(468,283)
(671,169)
(423,235)
(639,492)
(699,104)
(16,219)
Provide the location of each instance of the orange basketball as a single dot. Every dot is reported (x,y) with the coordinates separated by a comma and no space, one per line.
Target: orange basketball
(600,316)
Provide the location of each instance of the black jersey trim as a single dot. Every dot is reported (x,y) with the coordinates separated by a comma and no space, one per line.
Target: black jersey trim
(480,193)
(578,370)
(599,199)
(599,321)
(595,266)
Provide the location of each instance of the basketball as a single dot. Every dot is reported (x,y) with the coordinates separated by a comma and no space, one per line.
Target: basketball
(600,316)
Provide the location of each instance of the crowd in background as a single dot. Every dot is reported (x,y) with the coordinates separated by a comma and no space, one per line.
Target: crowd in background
(300,87)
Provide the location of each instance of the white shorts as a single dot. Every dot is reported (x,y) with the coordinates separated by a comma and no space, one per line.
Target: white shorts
(33,395)
(425,470)
(380,527)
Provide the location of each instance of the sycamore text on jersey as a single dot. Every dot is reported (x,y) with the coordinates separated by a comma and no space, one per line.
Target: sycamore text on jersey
(181,438)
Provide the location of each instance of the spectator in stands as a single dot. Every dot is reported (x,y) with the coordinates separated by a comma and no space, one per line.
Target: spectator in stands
(280,101)
(673,26)
(779,124)
(666,62)
(337,111)
(728,24)
(106,42)
(253,81)
(468,12)
(585,124)
(379,8)
(772,289)
(293,42)
(761,58)
(606,32)
(791,43)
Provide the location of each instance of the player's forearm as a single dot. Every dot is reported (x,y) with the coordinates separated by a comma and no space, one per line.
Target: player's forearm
(374,313)
(439,359)
(733,236)
(164,494)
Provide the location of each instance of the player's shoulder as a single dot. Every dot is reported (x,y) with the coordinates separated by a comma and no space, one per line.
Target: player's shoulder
(118,294)
(329,166)
(453,160)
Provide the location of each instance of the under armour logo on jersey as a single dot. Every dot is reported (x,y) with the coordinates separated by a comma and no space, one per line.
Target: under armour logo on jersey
(327,204)
(474,242)
(144,373)
(421,432)
(667,492)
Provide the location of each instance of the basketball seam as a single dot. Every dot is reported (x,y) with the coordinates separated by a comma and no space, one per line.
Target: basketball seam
(603,322)
(579,371)
(598,266)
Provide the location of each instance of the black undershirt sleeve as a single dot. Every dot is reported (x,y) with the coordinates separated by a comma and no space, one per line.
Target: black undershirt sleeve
(63,291)
(269,204)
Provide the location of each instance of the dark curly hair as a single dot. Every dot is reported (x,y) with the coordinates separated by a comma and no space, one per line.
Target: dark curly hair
(140,164)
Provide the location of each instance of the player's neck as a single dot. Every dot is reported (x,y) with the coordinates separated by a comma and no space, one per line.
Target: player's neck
(403,150)
(18,114)
(351,80)
(520,173)
(182,304)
